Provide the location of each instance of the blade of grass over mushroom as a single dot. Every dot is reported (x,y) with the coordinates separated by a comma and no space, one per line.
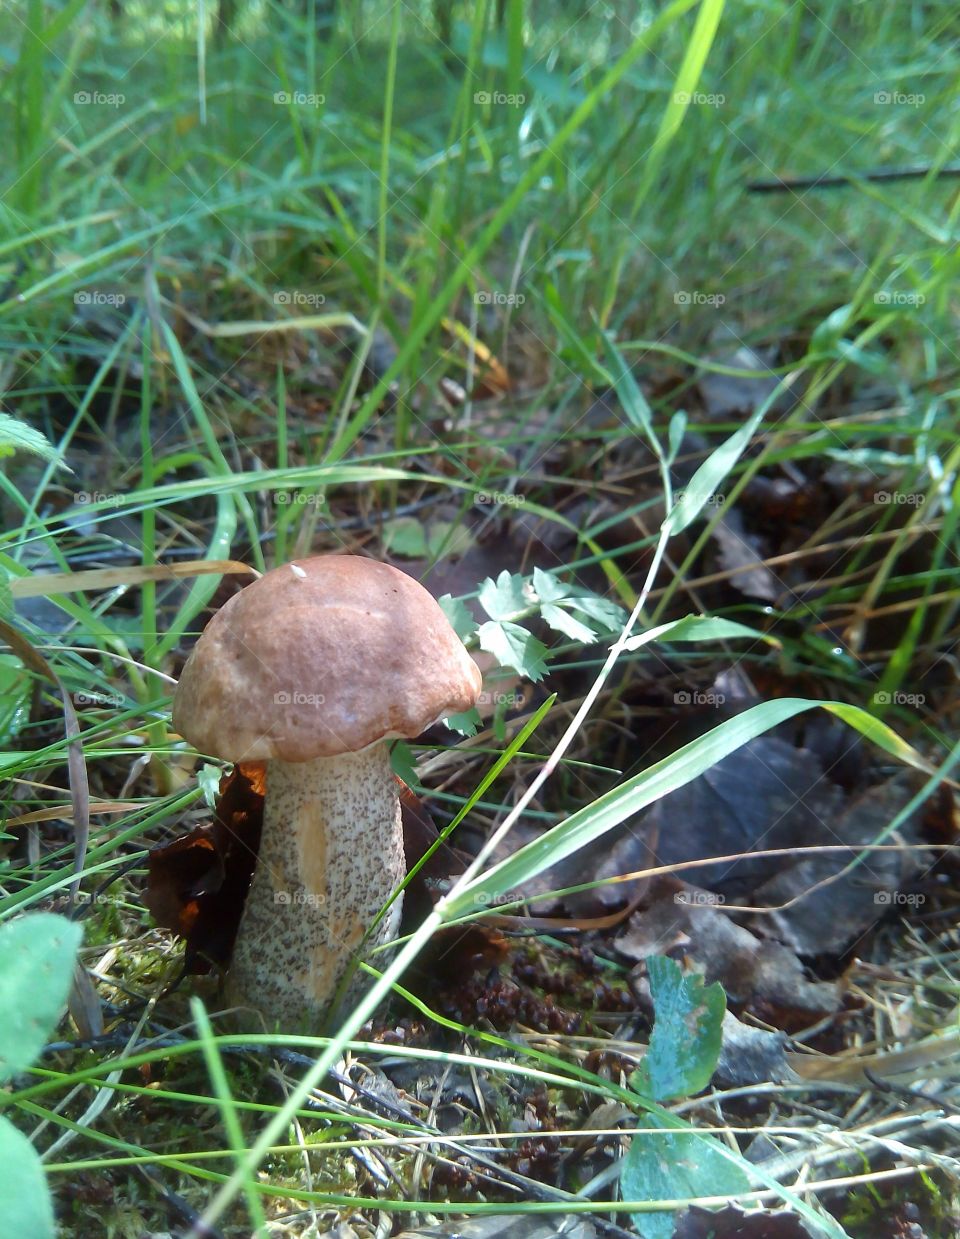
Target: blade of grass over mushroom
(659,780)
(504,759)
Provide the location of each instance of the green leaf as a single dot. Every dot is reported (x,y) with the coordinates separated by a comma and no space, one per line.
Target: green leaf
(607,614)
(36,967)
(512,646)
(827,334)
(467,723)
(403,765)
(698,628)
(563,621)
(687,1031)
(676,1165)
(715,469)
(17,436)
(504,598)
(25,1204)
(675,432)
(460,617)
(628,393)
(406,537)
(548,586)
(208,780)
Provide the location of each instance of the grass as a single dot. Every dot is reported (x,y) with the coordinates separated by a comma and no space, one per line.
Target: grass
(261,293)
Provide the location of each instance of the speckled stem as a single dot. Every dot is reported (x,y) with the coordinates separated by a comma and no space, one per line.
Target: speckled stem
(330,855)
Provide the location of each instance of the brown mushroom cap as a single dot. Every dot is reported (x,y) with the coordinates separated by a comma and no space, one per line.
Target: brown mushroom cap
(320,657)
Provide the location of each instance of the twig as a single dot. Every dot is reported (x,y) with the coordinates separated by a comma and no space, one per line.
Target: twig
(823,181)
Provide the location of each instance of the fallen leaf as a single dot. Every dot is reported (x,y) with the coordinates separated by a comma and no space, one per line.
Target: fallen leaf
(759,976)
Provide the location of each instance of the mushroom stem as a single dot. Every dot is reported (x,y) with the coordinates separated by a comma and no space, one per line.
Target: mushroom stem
(331,854)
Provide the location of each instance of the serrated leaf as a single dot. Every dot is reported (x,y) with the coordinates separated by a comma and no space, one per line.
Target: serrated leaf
(468,723)
(607,614)
(25,1204)
(460,616)
(504,598)
(676,1165)
(548,586)
(512,646)
(563,621)
(37,954)
(17,436)
(403,765)
(687,1031)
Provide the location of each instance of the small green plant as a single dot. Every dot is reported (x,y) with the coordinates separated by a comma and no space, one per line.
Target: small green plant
(37,955)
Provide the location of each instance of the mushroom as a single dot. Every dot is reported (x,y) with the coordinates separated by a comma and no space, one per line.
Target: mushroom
(312,668)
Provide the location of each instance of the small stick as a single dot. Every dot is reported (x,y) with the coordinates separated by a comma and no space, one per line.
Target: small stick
(822,181)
